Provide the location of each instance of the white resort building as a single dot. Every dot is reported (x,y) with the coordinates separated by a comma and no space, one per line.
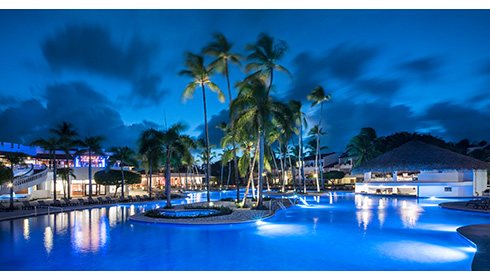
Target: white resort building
(423,170)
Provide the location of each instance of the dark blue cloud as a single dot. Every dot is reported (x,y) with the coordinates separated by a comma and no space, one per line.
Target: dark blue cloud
(380,87)
(91,49)
(426,69)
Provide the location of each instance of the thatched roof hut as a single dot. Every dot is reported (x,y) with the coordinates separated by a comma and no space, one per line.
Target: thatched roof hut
(416,155)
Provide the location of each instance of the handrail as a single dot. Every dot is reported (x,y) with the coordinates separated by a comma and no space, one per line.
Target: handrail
(26,179)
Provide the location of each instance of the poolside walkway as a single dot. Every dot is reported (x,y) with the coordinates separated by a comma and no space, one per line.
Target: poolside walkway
(21,213)
(478,234)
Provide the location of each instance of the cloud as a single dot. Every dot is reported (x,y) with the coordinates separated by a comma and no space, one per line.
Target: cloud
(456,122)
(77,103)
(379,87)
(425,69)
(91,49)
(348,62)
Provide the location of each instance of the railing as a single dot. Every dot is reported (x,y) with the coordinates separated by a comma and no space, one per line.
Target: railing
(26,179)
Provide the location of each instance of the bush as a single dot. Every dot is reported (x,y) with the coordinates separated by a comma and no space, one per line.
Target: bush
(228,199)
(261,207)
(221,211)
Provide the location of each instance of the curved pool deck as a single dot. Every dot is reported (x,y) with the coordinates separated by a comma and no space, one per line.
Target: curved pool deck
(237,216)
(478,234)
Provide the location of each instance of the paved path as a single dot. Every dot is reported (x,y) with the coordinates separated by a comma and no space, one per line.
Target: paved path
(478,234)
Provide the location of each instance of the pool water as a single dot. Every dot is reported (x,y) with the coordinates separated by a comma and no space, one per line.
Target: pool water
(188,213)
(341,232)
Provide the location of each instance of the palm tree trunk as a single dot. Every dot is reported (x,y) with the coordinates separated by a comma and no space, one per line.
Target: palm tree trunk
(11,206)
(292,169)
(221,182)
(149,181)
(250,178)
(89,174)
(186,177)
(261,167)
(208,166)
(167,180)
(300,153)
(316,159)
(318,142)
(237,173)
(229,173)
(283,176)
(122,179)
(68,178)
(275,164)
(54,175)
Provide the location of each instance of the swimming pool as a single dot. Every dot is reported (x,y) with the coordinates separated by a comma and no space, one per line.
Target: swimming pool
(342,232)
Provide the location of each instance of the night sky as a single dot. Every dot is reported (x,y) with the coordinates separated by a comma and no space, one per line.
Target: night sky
(115,72)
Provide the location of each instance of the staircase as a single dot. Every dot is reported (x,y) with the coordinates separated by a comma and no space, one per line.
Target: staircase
(29,179)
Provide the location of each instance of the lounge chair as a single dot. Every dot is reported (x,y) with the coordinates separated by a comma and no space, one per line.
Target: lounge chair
(69,202)
(3,208)
(82,201)
(139,198)
(57,203)
(479,203)
(91,201)
(42,203)
(26,205)
(131,199)
(109,200)
(101,200)
(123,199)
(147,198)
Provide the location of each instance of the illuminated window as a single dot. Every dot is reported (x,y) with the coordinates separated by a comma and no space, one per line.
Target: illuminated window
(448,189)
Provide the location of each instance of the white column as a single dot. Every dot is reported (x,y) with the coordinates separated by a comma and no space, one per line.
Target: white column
(394,175)
(367,177)
(479,182)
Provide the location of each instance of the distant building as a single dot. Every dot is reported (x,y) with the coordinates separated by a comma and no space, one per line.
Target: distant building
(423,170)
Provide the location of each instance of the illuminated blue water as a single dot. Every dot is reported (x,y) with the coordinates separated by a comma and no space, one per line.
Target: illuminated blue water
(338,232)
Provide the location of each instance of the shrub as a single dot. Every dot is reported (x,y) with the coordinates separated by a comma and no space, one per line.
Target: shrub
(221,211)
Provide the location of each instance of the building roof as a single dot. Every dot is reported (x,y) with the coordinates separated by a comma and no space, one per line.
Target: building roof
(416,155)
(312,157)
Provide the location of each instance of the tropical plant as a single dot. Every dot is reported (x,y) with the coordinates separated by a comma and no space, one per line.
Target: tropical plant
(201,76)
(66,133)
(172,144)
(13,159)
(362,147)
(319,97)
(150,147)
(221,50)
(51,144)
(125,156)
(92,145)
(266,53)
(316,131)
(257,111)
(110,177)
(65,174)
(300,120)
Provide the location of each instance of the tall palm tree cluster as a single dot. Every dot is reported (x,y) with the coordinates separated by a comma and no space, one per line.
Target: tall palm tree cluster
(257,120)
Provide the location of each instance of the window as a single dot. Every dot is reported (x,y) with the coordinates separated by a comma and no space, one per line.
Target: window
(448,189)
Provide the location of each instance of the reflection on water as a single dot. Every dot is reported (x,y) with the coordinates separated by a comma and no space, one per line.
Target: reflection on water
(410,213)
(395,233)
(48,239)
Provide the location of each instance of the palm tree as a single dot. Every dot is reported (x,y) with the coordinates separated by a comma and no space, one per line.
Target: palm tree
(92,145)
(221,50)
(187,158)
(50,144)
(172,143)
(123,155)
(257,111)
(150,146)
(201,75)
(318,96)
(316,131)
(65,174)
(363,146)
(266,52)
(66,132)
(13,159)
(300,120)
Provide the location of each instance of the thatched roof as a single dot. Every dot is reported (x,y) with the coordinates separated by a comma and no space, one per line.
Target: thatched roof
(416,155)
